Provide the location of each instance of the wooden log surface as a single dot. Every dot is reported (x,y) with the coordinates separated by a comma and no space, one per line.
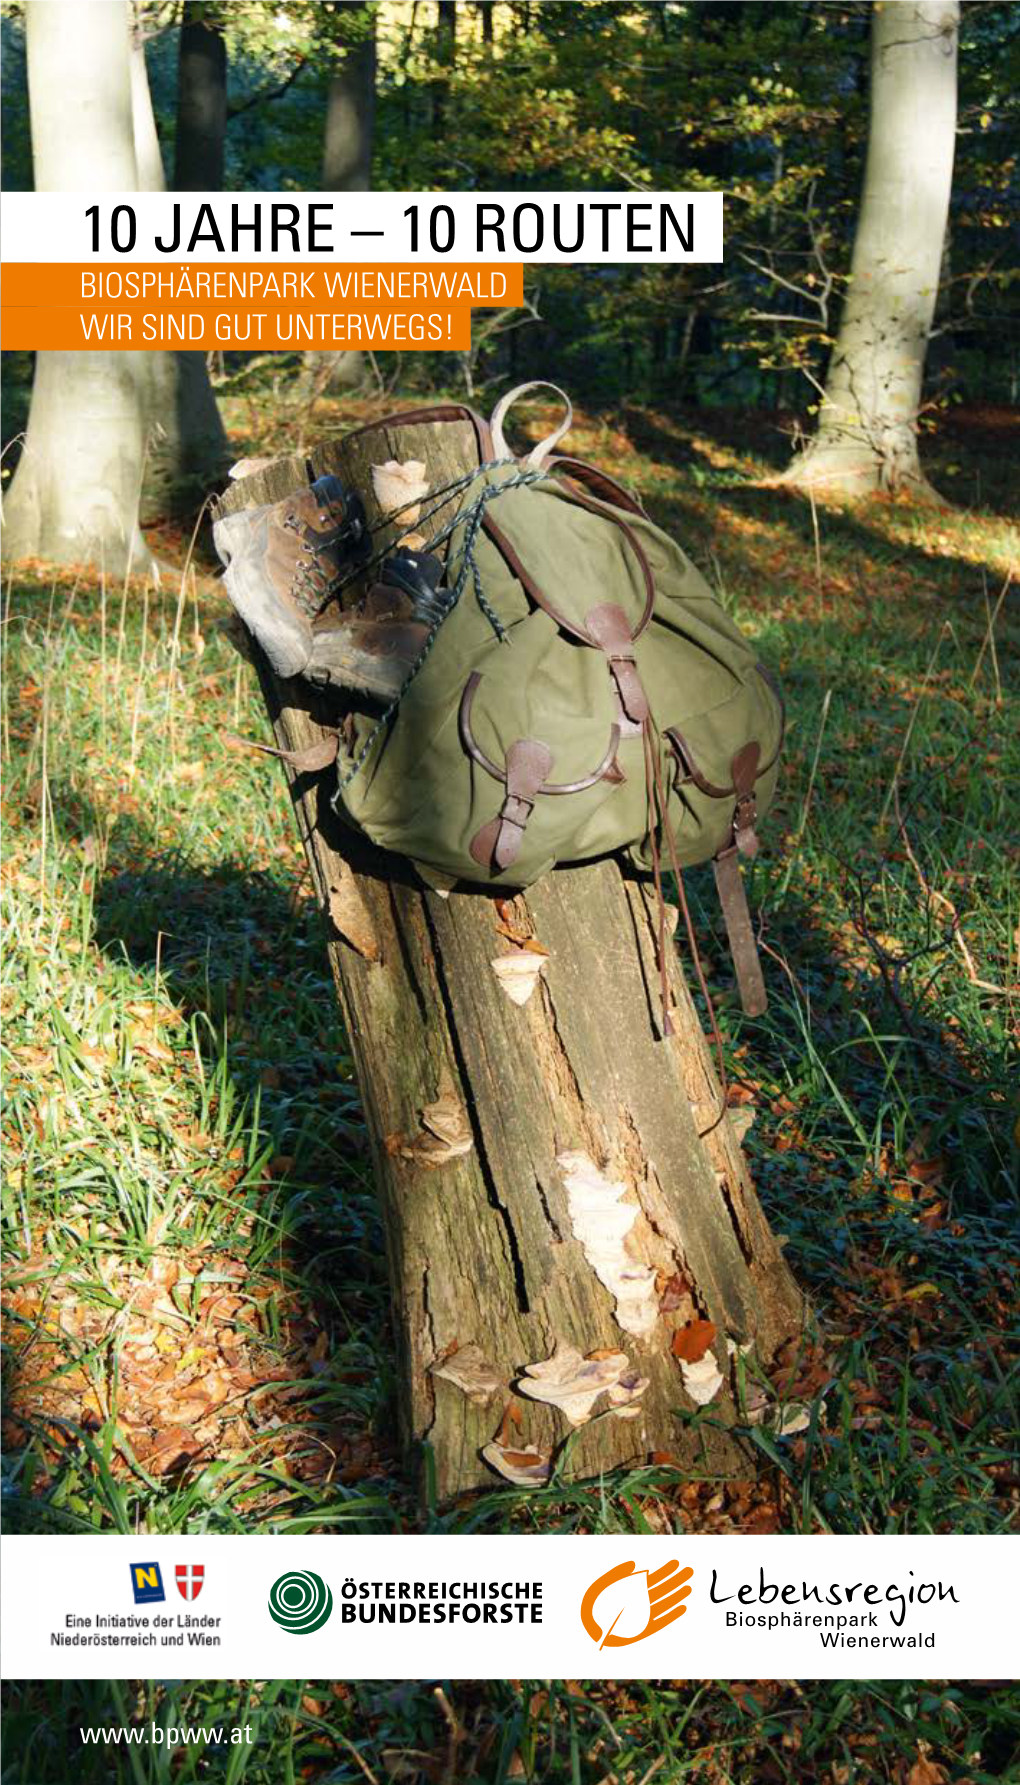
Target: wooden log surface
(567,1121)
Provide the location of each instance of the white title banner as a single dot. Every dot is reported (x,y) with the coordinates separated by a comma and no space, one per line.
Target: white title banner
(722,1608)
(586,227)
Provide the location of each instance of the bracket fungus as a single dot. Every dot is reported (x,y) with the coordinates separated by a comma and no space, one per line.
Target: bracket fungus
(571,1382)
(601,1221)
(470,1371)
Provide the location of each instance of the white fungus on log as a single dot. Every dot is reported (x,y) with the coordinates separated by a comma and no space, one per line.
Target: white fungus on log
(601,1221)
(625,1395)
(571,1382)
(702,1380)
(528,1467)
(400,486)
(470,1371)
(518,974)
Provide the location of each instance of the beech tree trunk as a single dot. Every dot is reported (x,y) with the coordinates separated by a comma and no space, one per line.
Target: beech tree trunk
(350,108)
(187,447)
(543,1186)
(74,495)
(201,100)
(108,433)
(346,156)
(867,431)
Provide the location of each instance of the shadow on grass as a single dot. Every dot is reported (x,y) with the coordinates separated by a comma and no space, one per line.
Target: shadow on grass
(234,947)
(844,532)
(989,435)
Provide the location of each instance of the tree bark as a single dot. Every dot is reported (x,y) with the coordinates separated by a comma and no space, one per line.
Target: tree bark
(74,495)
(503,1244)
(201,100)
(350,111)
(187,447)
(186,440)
(867,432)
(346,165)
(446,55)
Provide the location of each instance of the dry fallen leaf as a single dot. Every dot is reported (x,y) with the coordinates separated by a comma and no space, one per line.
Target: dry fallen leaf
(691,1342)
(674,1294)
(926,1772)
(351,918)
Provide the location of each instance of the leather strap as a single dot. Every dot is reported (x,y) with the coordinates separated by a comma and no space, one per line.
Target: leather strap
(744,769)
(603,487)
(737,918)
(538,596)
(407,418)
(609,627)
(544,447)
(498,843)
(477,754)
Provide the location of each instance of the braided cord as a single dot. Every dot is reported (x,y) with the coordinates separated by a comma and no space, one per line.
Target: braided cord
(471,519)
(446,491)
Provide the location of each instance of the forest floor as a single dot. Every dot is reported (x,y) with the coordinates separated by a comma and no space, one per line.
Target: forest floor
(196,1300)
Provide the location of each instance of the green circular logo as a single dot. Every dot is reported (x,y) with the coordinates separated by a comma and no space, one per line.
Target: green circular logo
(300,1602)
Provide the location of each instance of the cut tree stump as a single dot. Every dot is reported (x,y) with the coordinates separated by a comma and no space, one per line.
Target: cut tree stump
(544,1190)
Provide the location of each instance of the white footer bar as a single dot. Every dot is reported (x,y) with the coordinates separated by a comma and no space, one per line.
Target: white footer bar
(484,1607)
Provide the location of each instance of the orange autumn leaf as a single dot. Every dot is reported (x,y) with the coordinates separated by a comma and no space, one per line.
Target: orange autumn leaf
(691,1342)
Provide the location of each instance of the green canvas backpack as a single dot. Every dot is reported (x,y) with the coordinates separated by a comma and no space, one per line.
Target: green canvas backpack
(582,693)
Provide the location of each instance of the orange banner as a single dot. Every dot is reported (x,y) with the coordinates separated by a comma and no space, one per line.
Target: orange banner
(268,285)
(382,331)
(263,305)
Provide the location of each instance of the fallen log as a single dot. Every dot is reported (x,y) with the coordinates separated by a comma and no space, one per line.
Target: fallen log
(572,1259)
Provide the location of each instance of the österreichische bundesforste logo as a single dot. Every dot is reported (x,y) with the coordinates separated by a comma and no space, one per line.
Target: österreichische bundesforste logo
(300,1602)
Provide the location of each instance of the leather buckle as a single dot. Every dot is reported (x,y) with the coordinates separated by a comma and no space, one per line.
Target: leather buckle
(516,811)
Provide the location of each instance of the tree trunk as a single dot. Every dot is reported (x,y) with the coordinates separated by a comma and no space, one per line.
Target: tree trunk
(446,55)
(187,447)
(74,496)
(201,101)
(867,433)
(350,111)
(562,1197)
(346,166)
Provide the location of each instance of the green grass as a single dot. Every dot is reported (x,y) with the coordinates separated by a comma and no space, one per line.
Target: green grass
(839,1732)
(188,1212)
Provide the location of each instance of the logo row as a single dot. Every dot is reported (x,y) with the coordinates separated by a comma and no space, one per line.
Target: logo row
(638,1603)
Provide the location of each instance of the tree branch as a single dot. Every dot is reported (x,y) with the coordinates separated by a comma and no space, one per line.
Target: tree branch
(234,111)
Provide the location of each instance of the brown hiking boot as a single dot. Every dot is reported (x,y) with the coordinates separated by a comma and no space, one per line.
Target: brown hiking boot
(372,657)
(375,650)
(283,561)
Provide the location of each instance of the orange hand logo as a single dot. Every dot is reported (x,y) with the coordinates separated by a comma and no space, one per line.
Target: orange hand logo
(667,1591)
